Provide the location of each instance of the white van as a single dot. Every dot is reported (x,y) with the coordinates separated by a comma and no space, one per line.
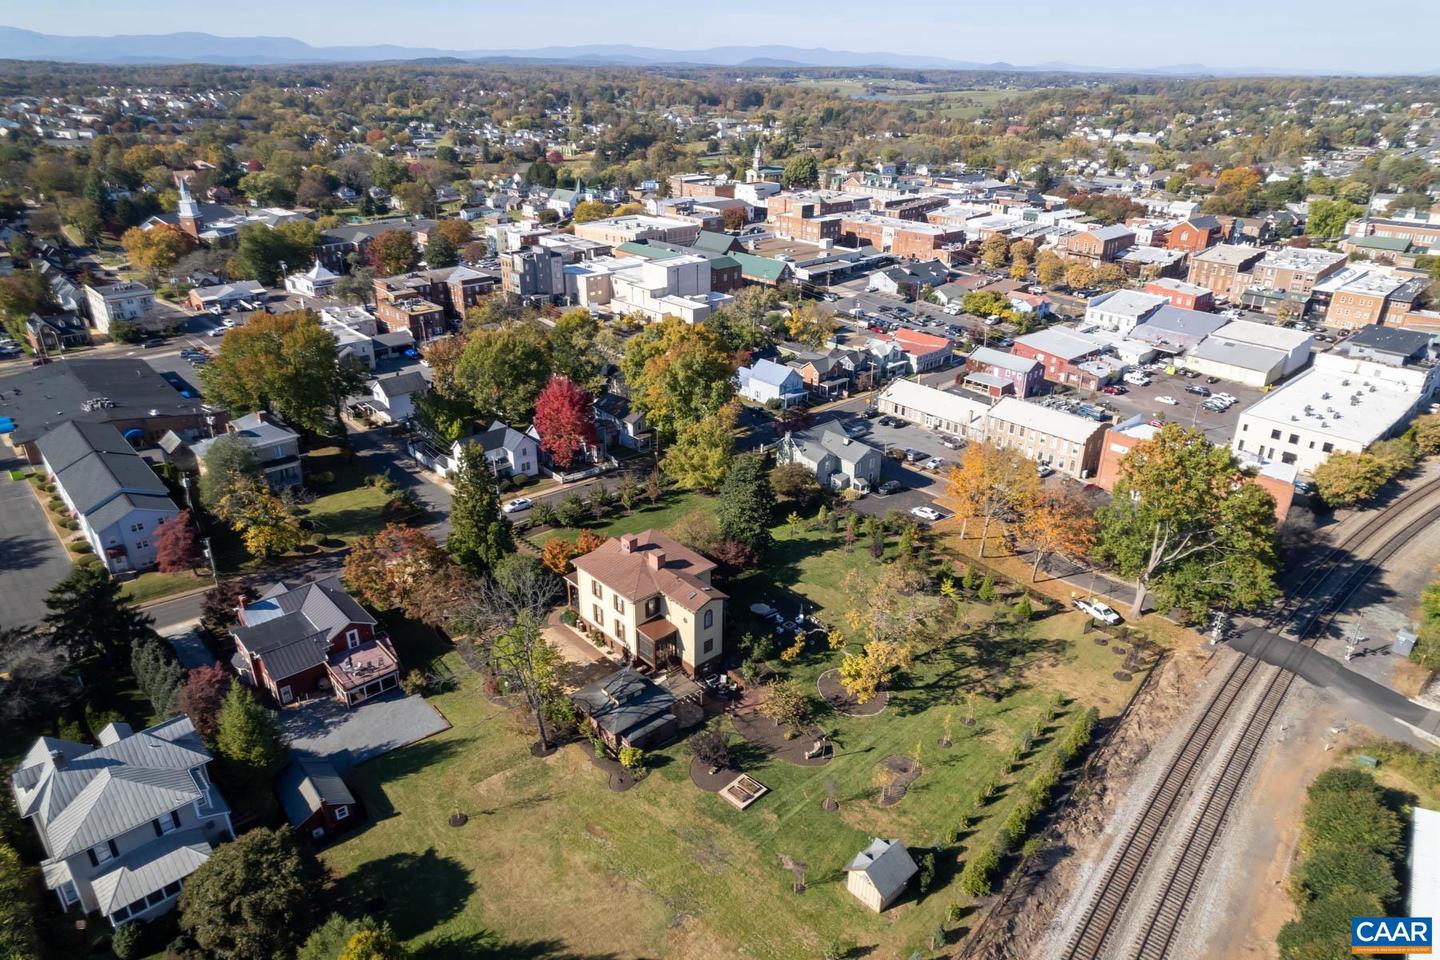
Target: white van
(1136,379)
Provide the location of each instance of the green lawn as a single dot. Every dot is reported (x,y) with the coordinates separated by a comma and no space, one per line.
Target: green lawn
(153,585)
(553,863)
(671,509)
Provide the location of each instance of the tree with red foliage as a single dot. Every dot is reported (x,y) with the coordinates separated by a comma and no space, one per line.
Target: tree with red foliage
(793,419)
(202,695)
(565,418)
(734,555)
(177,548)
(400,567)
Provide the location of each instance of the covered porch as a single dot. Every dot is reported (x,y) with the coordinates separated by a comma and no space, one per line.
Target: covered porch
(360,673)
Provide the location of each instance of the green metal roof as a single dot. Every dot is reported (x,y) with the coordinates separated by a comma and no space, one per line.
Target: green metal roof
(762,268)
(648,251)
(1388,244)
(710,241)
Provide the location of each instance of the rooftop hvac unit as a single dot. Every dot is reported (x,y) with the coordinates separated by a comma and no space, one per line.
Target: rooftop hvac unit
(1325,395)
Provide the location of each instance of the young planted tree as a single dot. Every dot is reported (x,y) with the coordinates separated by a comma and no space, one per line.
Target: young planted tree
(1187,524)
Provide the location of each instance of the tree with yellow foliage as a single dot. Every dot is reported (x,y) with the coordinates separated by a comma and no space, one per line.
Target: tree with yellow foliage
(1058,522)
(989,484)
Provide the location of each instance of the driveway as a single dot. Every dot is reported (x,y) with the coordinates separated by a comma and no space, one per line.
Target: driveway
(32,560)
(378,450)
(324,728)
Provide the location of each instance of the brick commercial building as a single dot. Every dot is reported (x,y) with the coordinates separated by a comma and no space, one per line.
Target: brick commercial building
(1187,296)
(1064,355)
(423,319)
(453,289)
(1426,234)
(1224,268)
(1295,269)
(1194,235)
(1016,376)
(1068,443)
(614,231)
(902,238)
(1361,295)
(1102,244)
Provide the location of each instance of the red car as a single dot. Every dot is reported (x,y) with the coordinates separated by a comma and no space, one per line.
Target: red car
(1113,390)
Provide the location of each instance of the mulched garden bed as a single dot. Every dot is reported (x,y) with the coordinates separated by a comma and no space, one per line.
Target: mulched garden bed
(770,737)
(840,700)
(620,778)
(701,776)
(905,772)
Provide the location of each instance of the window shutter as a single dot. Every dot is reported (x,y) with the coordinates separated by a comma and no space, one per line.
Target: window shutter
(156,825)
(114,850)
(94,860)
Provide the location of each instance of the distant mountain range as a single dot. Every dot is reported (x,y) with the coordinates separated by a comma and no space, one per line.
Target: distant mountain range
(18,44)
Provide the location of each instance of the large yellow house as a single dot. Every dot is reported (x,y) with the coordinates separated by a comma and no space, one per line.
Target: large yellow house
(650,599)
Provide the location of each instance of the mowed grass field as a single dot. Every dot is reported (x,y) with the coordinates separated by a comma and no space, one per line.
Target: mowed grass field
(551,862)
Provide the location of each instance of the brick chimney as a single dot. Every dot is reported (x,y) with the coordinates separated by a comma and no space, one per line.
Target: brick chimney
(655,559)
(628,542)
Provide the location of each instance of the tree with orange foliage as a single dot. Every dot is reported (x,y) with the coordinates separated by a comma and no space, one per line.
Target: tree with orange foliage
(989,484)
(558,552)
(401,567)
(1058,522)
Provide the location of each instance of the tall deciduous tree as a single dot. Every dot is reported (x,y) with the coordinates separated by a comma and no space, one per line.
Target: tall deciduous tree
(254,899)
(1187,525)
(504,370)
(573,352)
(398,567)
(286,363)
(228,460)
(810,325)
(36,678)
(989,484)
(1058,522)
(745,501)
(155,250)
(480,535)
(700,456)
(440,251)
(678,374)
(88,617)
(19,906)
(392,252)
(266,522)
(565,419)
(801,170)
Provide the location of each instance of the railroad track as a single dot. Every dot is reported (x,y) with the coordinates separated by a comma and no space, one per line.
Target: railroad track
(1109,903)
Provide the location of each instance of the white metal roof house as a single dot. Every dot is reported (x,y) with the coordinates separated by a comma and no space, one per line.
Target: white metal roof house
(878,874)
(123,824)
(837,460)
(765,381)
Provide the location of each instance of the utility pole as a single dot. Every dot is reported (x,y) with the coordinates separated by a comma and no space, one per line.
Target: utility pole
(210,555)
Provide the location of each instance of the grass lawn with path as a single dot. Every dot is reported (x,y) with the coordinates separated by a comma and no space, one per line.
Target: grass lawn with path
(555,863)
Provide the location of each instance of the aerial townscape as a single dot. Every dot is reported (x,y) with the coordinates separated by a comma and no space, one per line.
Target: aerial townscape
(553,484)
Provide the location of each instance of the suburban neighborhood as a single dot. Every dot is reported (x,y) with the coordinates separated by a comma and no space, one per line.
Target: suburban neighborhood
(762,501)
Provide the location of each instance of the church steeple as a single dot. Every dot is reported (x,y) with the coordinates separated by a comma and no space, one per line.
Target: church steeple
(190,219)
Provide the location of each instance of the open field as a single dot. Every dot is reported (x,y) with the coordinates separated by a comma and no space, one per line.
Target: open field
(552,862)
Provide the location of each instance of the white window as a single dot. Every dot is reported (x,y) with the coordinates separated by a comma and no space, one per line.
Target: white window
(102,853)
(341,813)
(168,823)
(68,893)
(352,638)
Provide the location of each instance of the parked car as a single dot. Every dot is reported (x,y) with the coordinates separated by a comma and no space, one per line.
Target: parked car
(889,487)
(913,456)
(518,504)
(153,342)
(928,514)
(1044,470)
(1168,400)
(1226,397)
(1136,379)
(1114,390)
(1198,390)
(1212,380)
(934,463)
(1098,610)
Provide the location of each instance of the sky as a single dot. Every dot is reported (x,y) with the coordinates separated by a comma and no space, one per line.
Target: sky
(1315,36)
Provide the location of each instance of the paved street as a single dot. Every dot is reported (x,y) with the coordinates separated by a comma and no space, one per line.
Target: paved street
(32,560)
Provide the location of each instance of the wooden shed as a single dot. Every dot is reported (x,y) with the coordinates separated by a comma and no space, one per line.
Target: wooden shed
(878,874)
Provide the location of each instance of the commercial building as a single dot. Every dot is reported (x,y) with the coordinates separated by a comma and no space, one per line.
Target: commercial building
(1069,358)
(1102,244)
(614,231)
(1186,296)
(1358,296)
(1173,330)
(1224,268)
(1295,269)
(113,494)
(1342,403)
(1120,310)
(939,410)
(1068,443)
(126,301)
(997,373)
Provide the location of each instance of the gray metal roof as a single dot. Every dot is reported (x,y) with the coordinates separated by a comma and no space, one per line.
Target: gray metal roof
(88,798)
(290,629)
(76,440)
(306,785)
(827,437)
(93,481)
(117,509)
(403,383)
(152,867)
(888,865)
(625,702)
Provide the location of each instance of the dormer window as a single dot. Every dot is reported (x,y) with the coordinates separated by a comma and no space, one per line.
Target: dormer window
(352,638)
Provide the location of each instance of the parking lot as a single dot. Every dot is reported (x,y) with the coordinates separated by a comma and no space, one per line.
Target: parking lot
(1189,410)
